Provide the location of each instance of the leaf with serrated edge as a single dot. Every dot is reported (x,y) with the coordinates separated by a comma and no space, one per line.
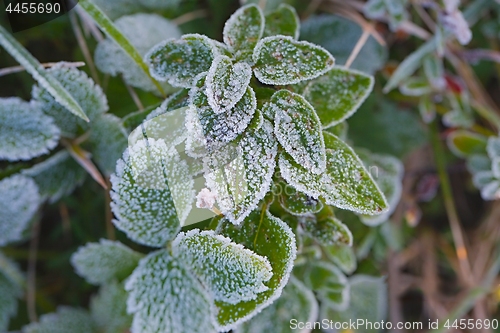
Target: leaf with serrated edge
(179,61)
(298,130)
(165,297)
(152,192)
(281,60)
(109,309)
(105,261)
(25,132)
(229,271)
(338,94)
(282,21)
(65,320)
(256,233)
(243,30)
(226,83)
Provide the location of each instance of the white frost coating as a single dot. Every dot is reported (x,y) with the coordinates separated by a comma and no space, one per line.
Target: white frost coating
(245,180)
(57,176)
(99,263)
(205,199)
(65,320)
(454,21)
(338,94)
(82,88)
(175,101)
(143,31)
(226,83)
(230,272)
(20,201)
(165,298)
(152,192)
(25,132)
(109,309)
(281,60)
(493,147)
(298,130)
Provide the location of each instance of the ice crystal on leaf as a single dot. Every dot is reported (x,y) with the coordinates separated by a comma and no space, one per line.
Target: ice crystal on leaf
(20,201)
(327,232)
(298,203)
(338,94)
(281,60)
(152,192)
(205,199)
(226,83)
(269,237)
(164,297)
(231,273)
(25,132)
(65,320)
(180,61)
(282,21)
(109,309)
(298,130)
(105,261)
(243,30)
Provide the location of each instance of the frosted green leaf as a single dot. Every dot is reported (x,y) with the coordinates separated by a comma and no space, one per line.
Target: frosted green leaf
(338,94)
(179,61)
(269,5)
(230,272)
(243,30)
(296,301)
(339,130)
(242,182)
(25,132)
(109,309)
(491,191)
(458,118)
(298,130)
(108,140)
(415,86)
(57,176)
(345,184)
(102,262)
(434,71)
(65,320)
(465,143)
(281,60)
(427,109)
(20,201)
(375,9)
(298,203)
(269,237)
(483,178)
(329,284)
(82,88)
(164,297)
(387,171)
(343,256)
(329,231)
(226,83)
(152,192)
(397,13)
(143,31)
(282,21)
(478,162)
(11,284)
(493,147)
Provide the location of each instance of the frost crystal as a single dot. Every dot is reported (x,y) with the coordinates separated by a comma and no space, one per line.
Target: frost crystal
(231,273)
(226,83)
(65,320)
(20,201)
(152,192)
(205,199)
(298,130)
(164,297)
(109,309)
(25,132)
(281,60)
(105,261)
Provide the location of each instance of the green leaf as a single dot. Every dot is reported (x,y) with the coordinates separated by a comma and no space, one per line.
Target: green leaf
(465,143)
(11,288)
(143,31)
(242,183)
(180,61)
(230,272)
(282,21)
(226,83)
(338,94)
(375,9)
(415,86)
(57,176)
(112,31)
(281,60)
(82,88)
(243,30)
(478,162)
(434,71)
(19,204)
(256,233)
(32,66)
(109,309)
(152,192)
(329,231)
(345,184)
(329,283)
(298,203)
(296,302)
(25,132)
(65,320)
(102,262)
(108,140)
(493,147)
(165,297)
(298,130)
(343,256)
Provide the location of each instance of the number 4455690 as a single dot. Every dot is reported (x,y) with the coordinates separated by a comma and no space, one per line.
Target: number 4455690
(471,324)
(33,8)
